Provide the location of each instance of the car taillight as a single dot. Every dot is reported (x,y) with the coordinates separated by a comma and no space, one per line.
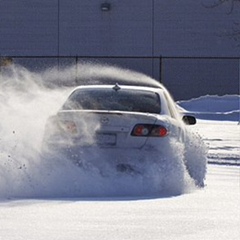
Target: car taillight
(69,127)
(149,130)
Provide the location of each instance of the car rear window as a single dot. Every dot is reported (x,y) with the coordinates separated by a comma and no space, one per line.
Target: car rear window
(112,100)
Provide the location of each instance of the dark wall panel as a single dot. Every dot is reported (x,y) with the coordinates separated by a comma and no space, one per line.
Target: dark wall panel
(28,27)
(125,30)
(192,28)
(190,78)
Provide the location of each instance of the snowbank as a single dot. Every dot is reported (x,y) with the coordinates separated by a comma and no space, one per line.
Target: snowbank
(222,108)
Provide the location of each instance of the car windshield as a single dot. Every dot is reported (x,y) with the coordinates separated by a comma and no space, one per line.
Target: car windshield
(111,100)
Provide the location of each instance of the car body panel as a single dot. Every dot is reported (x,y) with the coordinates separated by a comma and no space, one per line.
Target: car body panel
(102,133)
(106,129)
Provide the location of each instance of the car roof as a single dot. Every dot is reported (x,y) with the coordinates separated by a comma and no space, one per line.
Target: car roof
(119,86)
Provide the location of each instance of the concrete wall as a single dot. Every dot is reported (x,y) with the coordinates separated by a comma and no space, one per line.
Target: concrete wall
(136,29)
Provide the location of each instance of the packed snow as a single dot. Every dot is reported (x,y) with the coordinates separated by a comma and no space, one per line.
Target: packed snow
(219,108)
(44,197)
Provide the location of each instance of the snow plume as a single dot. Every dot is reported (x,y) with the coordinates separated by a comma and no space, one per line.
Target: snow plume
(87,73)
(25,105)
(27,99)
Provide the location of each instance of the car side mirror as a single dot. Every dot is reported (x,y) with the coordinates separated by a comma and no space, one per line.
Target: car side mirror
(189,120)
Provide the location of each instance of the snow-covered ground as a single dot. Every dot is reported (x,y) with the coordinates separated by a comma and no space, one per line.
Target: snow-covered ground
(209,213)
(31,207)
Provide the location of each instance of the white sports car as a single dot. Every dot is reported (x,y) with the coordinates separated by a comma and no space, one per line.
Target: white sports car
(124,126)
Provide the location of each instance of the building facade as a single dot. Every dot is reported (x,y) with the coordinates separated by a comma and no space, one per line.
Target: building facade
(193,47)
